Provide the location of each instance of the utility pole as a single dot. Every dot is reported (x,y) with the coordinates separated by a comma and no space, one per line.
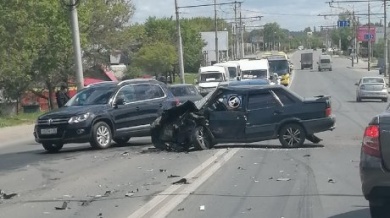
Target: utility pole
(76,45)
(179,45)
(236,27)
(385,56)
(354,39)
(369,36)
(241,34)
(216,32)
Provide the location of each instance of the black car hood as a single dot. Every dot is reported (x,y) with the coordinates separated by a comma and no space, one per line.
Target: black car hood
(67,112)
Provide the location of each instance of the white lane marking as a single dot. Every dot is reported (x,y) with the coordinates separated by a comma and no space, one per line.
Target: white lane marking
(177,199)
(149,206)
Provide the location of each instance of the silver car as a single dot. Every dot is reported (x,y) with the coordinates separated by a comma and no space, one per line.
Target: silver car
(371,88)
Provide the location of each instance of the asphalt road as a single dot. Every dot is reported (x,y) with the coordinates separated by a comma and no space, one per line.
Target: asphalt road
(228,181)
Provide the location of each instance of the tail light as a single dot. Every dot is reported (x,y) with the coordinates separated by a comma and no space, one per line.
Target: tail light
(328,111)
(370,143)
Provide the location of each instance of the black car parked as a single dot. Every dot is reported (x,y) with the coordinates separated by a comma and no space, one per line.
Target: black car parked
(241,114)
(104,112)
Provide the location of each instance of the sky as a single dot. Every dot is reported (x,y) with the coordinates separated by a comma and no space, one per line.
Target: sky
(293,15)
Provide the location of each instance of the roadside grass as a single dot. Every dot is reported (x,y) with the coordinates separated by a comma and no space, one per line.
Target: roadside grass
(189,78)
(22,118)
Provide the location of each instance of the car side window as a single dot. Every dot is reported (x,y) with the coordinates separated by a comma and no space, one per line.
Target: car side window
(228,102)
(148,91)
(127,93)
(284,97)
(261,100)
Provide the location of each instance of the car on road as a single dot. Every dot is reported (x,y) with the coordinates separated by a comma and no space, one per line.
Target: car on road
(244,114)
(372,88)
(104,112)
(375,165)
(324,63)
(185,92)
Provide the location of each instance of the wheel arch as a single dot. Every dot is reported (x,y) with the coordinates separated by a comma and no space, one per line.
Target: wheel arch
(107,121)
(290,121)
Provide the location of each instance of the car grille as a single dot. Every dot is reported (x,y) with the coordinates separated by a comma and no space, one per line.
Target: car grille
(54,121)
(59,124)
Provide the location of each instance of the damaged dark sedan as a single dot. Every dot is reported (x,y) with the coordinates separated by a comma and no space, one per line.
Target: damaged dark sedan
(244,114)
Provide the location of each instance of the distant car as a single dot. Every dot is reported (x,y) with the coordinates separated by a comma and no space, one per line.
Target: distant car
(184,92)
(375,165)
(372,88)
(105,112)
(244,114)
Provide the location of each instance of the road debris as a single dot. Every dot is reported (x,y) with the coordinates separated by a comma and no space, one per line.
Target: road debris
(107,193)
(181,181)
(64,206)
(5,196)
(180,209)
(129,194)
(283,179)
(240,168)
(306,155)
(126,153)
(53,179)
(172,176)
(330,180)
(163,170)
(202,208)
(271,177)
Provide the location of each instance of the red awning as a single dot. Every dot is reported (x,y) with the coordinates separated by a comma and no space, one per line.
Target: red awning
(89,81)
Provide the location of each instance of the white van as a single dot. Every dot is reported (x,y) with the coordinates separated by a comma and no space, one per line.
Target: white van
(209,78)
(233,69)
(257,69)
(324,62)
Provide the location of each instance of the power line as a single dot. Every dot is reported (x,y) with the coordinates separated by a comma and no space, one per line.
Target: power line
(206,5)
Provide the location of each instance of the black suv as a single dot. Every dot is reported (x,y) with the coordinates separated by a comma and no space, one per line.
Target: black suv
(244,114)
(104,112)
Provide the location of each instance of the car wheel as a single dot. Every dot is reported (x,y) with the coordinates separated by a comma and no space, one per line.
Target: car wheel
(121,140)
(201,138)
(101,136)
(52,147)
(292,135)
(379,209)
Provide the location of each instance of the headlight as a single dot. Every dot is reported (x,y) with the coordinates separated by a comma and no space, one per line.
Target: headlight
(80,118)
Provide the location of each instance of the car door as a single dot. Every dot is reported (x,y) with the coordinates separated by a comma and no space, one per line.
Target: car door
(125,116)
(152,99)
(227,118)
(263,113)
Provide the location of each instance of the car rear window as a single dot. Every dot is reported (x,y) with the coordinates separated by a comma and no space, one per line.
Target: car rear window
(373,80)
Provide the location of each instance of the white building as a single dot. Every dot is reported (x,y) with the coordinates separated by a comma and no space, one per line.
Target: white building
(209,49)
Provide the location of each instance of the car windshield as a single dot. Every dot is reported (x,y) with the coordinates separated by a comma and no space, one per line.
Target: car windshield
(278,66)
(199,104)
(92,96)
(211,77)
(373,80)
(179,91)
(254,74)
(232,72)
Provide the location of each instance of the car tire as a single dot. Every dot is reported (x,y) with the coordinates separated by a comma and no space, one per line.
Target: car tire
(379,209)
(101,136)
(52,147)
(157,143)
(121,140)
(201,138)
(292,135)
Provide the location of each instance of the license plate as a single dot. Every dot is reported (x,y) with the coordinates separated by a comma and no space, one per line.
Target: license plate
(51,131)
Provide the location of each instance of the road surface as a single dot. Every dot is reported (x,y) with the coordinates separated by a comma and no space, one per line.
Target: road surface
(240,180)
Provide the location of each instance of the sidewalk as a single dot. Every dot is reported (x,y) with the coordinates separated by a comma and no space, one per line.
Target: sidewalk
(15,134)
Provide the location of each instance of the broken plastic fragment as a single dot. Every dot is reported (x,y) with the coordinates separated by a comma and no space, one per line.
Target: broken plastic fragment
(129,194)
(180,209)
(283,179)
(173,176)
(202,207)
(331,180)
(163,170)
(181,181)
(63,207)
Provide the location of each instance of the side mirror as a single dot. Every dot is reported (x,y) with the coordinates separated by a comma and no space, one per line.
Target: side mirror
(119,101)
(356,84)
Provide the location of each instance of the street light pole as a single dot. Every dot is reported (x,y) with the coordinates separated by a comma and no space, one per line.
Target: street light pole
(76,43)
(180,45)
(216,32)
(385,56)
